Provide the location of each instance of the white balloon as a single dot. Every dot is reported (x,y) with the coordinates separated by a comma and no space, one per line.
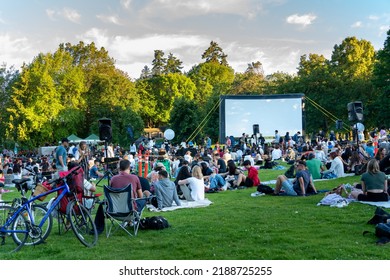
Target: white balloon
(169,134)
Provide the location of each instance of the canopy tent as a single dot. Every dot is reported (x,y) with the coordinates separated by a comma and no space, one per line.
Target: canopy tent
(74,138)
(93,138)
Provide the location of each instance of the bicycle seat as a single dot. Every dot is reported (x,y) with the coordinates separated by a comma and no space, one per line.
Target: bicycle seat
(20,181)
(22,184)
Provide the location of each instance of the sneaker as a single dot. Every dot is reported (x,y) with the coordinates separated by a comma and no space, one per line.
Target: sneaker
(257,194)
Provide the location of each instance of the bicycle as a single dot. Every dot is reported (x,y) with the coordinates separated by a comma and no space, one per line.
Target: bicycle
(19,220)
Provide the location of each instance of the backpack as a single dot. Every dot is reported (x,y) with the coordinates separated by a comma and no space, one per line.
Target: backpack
(265,189)
(155,222)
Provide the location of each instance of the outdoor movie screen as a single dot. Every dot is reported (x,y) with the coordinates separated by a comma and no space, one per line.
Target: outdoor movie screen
(284,112)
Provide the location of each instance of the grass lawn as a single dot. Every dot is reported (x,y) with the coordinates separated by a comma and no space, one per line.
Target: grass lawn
(234,226)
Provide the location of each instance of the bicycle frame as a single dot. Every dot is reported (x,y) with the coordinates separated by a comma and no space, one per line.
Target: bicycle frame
(26,206)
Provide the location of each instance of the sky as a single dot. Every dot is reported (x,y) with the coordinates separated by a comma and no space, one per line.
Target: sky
(275,32)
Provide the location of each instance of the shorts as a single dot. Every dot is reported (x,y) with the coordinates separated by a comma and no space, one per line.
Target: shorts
(288,188)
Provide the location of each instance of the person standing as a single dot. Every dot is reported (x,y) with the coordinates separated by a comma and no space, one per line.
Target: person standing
(61,156)
(82,158)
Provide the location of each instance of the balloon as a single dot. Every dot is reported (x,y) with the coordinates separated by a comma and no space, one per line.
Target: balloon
(169,134)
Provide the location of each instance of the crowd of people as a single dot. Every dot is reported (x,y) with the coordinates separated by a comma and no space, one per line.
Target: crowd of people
(187,171)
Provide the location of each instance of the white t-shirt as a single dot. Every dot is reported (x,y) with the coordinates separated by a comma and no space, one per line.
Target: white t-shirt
(336,167)
(197,188)
(276,154)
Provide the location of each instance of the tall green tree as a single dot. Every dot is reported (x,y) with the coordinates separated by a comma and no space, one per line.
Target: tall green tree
(184,118)
(251,81)
(353,58)
(215,54)
(39,98)
(211,78)
(381,80)
(173,65)
(159,63)
(158,95)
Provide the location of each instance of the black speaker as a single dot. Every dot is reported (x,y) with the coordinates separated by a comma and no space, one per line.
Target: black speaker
(256,129)
(105,130)
(355,111)
(339,124)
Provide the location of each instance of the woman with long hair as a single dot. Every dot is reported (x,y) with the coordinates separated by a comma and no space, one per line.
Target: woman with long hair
(374,184)
(193,187)
(82,158)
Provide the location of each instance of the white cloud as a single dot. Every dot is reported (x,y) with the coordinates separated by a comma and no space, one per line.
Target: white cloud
(357,24)
(15,51)
(109,19)
(185,8)
(132,54)
(303,20)
(383,29)
(126,4)
(51,13)
(373,17)
(66,13)
(71,14)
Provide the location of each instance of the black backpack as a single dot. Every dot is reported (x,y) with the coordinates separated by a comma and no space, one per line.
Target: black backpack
(155,222)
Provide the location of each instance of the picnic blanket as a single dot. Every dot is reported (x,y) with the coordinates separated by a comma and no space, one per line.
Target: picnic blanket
(184,204)
(385,204)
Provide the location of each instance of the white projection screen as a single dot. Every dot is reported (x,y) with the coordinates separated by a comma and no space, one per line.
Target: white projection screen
(284,112)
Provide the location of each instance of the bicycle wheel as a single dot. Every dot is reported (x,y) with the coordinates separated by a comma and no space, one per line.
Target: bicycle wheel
(8,244)
(82,223)
(38,235)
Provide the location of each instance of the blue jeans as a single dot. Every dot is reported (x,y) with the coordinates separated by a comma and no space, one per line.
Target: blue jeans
(216,181)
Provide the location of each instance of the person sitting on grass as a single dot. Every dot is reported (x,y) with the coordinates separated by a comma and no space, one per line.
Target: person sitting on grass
(193,187)
(165,191)
(315,166)
(252,180)
(234,176)
(214,182)
(94,171)
(336,169)
(301,184)
(374,184)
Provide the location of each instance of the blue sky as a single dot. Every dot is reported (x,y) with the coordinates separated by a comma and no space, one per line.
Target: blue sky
(274,32)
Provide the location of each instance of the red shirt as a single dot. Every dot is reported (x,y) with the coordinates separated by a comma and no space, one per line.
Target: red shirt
(123,179)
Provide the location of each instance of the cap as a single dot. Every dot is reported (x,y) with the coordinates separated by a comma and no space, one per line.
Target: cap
(159,164)
(334,150)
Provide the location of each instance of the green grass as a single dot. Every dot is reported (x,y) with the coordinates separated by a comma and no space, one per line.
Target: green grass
(235,226)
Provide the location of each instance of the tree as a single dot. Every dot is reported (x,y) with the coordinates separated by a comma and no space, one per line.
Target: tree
(44,89)
(174,65)
(381,80)
(7,78)
(158,63)
(215,54)
(158,95)
(251,81)
(353,58)
(210,78)
(184,118)
(146,73)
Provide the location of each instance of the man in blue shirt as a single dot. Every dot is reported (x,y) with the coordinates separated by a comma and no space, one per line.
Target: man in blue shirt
(61,155)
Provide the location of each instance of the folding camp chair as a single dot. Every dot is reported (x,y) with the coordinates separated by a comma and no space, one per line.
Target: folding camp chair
(123,210)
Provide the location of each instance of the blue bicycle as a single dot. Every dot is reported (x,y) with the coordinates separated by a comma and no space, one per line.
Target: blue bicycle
(28,223)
